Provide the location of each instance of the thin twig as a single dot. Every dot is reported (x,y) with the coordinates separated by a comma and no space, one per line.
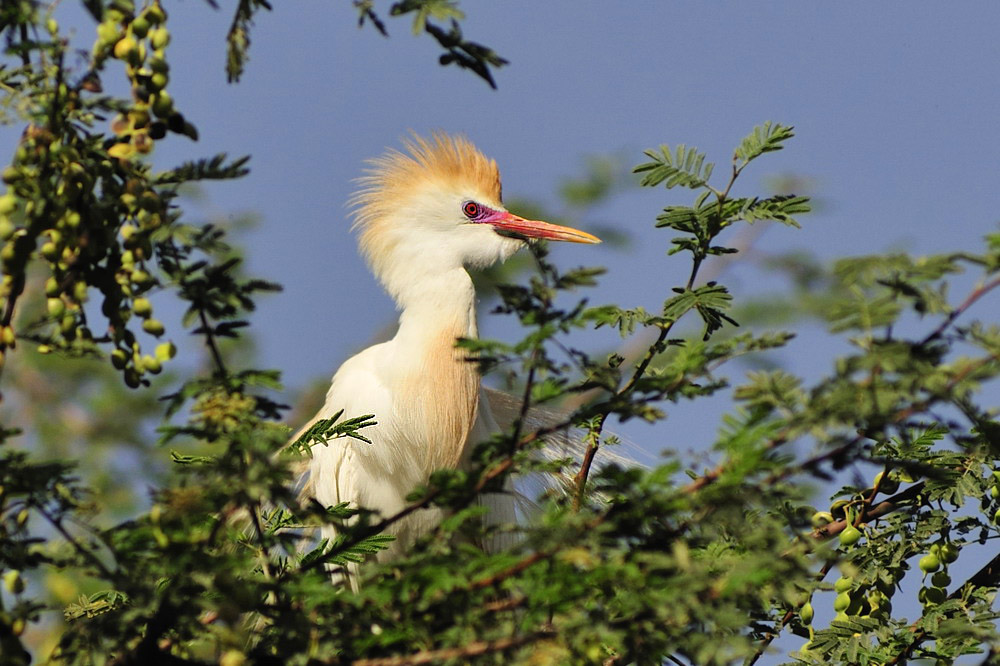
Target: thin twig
(976,294)
(90,555)
(212,346)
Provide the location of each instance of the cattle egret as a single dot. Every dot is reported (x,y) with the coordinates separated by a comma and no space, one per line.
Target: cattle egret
(422,218)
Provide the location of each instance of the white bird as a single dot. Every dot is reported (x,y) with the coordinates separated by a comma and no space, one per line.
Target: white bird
(422,218)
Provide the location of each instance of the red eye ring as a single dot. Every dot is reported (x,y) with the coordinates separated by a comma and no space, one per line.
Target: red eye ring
(471,209)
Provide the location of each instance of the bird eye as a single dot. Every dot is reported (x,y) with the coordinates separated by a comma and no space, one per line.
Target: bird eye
(471,209)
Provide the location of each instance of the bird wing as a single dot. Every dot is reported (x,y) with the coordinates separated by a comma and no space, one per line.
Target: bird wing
(566,443)
(357,389)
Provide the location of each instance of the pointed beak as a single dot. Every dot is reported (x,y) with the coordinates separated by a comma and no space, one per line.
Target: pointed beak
(518,226)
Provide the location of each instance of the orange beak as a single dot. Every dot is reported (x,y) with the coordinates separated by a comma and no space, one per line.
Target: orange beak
(518,226)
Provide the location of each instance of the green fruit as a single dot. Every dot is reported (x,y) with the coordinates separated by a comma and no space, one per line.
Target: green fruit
(165,351)
(127,49)
(850,536)
(994,491)
(158,81)
(163,104)
(141,277)
(941,579)
(55,307)
(139,118)
(13,581)
(131,377)
(821,519)
(153,327)
(50,251)
(158,65)
(11,175)
(806,613)
(842,602)
(108,32)
(155,14)
(151,365)
(843,584)
(949,552)
(142,307)
(931,596)
(140,26)
(52,287)
(8,204)
(7,228)
(233,658)
(159,38)
(119,358)
(929,563)
(885,484)
(838,508)
(80,292)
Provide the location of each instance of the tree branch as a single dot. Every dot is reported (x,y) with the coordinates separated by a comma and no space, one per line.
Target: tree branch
(473,649)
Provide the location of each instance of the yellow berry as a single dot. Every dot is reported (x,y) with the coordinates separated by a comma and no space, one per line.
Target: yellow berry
(13,581)
(165,351)
(151,365)
(8,204)
(159,38)
(142,307)
(119,358)
(127,49)
(153,327)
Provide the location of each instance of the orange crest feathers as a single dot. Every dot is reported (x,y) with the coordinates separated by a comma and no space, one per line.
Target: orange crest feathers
(449,160)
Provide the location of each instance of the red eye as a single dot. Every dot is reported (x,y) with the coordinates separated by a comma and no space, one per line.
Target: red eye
(471,209)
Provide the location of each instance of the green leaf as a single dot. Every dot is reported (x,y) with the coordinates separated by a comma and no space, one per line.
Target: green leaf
(763,139)
(778,208)
(681,167)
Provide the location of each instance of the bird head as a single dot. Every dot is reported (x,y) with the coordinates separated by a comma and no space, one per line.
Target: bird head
(438,207)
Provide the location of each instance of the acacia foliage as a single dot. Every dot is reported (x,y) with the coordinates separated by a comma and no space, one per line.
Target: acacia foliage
(631,565)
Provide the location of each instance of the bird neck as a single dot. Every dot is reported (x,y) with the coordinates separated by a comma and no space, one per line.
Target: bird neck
(438,384)
(436,304)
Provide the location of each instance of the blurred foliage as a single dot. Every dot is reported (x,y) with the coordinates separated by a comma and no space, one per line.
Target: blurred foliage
(631,565)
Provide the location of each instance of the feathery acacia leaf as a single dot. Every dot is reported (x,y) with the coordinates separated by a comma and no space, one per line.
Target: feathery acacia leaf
(683,166)
(764,139)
